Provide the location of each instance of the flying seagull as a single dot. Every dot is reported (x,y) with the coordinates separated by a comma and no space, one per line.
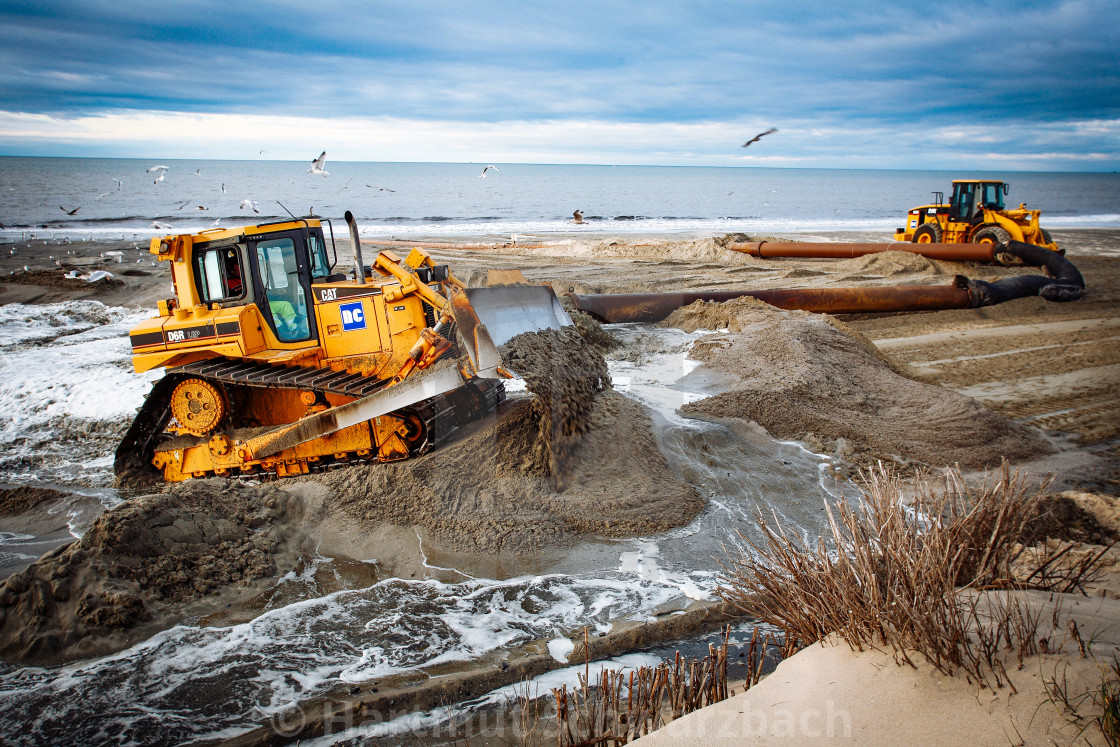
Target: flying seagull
(318,166)
(157,168)
(483,174)
(119,183)
(381,189)
(160,179)
(759,136)
(577,216)
(250,204)
(70,212)
(196,172)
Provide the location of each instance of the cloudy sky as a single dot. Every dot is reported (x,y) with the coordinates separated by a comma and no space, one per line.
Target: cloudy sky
(1005,84)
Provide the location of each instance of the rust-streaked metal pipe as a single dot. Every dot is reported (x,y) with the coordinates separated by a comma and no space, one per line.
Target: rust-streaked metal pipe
(653,307)
(947,252)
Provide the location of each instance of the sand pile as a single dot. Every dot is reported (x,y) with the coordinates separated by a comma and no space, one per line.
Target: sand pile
(492,492)
(645,248)
(807,377)
(571,460)
(144,563)
(896,263)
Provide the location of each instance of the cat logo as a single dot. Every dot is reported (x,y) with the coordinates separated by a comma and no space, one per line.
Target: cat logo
(328,294)
(353,316)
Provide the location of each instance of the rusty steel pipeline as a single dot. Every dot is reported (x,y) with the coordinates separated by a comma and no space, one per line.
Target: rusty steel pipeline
(654,307)
(947,252)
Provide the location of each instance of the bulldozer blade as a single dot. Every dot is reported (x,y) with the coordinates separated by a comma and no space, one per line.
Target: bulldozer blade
(509,310)
(439,379)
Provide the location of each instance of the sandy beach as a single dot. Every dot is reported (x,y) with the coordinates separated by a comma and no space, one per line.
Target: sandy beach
(1031,381)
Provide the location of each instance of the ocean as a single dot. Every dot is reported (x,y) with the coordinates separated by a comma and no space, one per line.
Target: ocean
(449,199)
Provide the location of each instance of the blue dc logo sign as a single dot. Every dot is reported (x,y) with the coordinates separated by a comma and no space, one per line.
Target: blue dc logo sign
(353,315)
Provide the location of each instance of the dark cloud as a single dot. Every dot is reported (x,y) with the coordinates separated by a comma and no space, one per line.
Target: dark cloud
(857,63)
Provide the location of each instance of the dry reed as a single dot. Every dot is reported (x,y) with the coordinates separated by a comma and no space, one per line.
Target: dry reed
(906,574)
(621,706)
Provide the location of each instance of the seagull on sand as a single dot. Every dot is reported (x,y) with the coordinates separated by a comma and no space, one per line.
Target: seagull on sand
(70,212)
(157,168)
(577,216)
(759,136)
(318,166)
(483,174)
(250,204)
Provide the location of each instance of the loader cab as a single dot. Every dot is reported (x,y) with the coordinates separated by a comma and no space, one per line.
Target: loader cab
(970,198)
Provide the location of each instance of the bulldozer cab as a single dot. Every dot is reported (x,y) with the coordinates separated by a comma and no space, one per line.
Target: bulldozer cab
(275,270)
(970,198)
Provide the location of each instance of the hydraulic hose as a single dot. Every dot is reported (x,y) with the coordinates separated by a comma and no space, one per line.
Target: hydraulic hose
(1064,284)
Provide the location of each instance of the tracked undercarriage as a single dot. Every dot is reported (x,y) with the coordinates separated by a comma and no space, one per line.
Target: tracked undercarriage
(192,424)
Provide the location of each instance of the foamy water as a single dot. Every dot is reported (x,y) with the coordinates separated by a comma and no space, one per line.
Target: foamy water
(66,371)
(67,390)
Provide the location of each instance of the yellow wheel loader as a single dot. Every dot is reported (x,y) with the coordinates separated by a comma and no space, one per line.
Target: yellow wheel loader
(275,363)
(975,215)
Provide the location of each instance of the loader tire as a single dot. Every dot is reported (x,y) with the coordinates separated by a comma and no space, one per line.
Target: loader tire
(927,233)
(991,235)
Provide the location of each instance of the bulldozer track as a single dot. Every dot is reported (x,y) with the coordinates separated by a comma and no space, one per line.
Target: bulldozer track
(441,415)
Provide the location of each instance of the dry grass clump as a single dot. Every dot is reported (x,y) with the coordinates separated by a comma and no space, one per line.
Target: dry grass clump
(619,707)
(905,573)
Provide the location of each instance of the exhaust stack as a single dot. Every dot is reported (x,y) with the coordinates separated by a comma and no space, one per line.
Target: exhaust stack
(355,242)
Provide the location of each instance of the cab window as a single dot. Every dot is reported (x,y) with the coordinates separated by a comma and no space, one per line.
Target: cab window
(219,275)
(318,251)
(993,196)
(285,298)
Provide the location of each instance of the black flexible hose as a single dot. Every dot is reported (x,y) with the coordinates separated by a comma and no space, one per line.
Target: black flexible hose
(1064,284)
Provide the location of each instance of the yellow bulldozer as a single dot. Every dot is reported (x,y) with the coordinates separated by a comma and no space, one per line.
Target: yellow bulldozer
(274,363)
(976,214)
